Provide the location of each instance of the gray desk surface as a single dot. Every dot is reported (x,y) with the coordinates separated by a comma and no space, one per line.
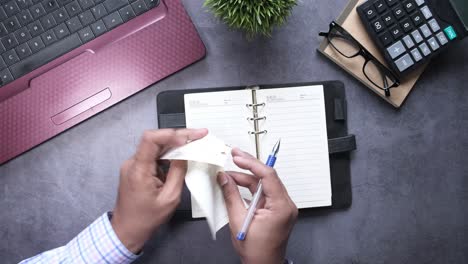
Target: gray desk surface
(409,175)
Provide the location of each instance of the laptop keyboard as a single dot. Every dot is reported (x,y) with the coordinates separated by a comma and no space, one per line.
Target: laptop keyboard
(35,32)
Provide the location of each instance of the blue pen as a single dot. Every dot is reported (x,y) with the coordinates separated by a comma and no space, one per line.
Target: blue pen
(253,206)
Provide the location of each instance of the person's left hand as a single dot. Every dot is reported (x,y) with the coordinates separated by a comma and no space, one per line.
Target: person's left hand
(147,197)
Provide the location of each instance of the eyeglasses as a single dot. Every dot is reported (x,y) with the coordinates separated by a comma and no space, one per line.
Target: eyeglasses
(343,42)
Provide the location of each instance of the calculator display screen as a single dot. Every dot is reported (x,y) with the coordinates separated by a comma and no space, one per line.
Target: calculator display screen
(461,6)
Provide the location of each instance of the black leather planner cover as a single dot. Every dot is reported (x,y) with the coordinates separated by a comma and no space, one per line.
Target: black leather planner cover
(171,114)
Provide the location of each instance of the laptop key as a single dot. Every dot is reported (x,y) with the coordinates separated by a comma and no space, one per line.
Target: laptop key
(86,34)
(36,44)
(23,51)
(48,21)
(24,17)
(2,64)
(9,41)
(60,15)
(74,24)
(35,28)
(85,4)
(112,5)
(86,18)
(99,11)
(10,57)
(5,77)
(45,55)
(152,3)
(37,10)
(140,7)
(61,31)
(22,4)
(12,24)
(50,5)
(3,31)
(73,8)
(98,28)
(127,13)
(11,8)
(49,37)
(113,20)
(23,35)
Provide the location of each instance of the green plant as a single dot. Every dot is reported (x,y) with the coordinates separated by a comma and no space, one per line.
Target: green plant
(253,16)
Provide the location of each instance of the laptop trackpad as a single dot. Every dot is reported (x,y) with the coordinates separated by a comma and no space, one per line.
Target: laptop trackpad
(82,106)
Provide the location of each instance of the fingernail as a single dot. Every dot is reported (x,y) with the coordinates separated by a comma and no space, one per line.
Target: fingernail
(222,178)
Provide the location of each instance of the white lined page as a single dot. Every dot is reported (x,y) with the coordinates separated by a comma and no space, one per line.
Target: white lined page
(225,115)
(297,116)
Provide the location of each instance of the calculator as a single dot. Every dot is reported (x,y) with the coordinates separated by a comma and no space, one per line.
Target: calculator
(410,32)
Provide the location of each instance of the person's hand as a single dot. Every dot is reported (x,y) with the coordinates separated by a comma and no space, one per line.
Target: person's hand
(147,197)
(276,214)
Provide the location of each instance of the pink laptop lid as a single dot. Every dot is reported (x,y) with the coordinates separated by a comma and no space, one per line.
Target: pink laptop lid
(96,76)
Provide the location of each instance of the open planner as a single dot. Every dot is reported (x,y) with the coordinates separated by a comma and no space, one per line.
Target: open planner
(254,119)
(310,118)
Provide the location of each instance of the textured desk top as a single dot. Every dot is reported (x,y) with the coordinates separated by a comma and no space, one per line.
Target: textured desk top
(409,174)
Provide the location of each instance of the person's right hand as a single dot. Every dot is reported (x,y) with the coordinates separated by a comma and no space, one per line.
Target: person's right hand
(276,214)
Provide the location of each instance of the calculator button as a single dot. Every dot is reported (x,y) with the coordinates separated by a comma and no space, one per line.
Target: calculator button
(420,2)
(450,32)
(434,25)
(408,42)
(396,50)
(433,43)
(425,30)
(391,2)
(417,36)
(417,18)
(386,38)
(442,39)
(406,25)
(388,19)
(370,12)
(380,6)
(404,62)
(426,12)
(409,6)
(425,49)
(377,25)
(398,12)
(416,55)
(396,32)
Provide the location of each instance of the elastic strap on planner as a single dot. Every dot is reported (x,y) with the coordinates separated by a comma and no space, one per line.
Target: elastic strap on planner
(342,144)
(175,120)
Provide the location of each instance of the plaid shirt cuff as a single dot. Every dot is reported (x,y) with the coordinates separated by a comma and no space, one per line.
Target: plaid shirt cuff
(96,244)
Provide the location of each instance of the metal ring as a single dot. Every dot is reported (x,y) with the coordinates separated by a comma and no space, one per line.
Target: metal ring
(257,132)
(256,118)
(255,105)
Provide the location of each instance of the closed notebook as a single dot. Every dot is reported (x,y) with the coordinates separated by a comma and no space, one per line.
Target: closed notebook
(254,119)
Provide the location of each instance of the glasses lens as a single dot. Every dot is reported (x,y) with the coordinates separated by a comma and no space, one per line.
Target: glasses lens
(378,76)
(343,43)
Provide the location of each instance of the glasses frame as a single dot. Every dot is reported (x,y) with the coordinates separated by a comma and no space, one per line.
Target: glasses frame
(368,57)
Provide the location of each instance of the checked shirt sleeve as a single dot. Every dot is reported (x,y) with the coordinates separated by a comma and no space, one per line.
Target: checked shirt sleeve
(98,243)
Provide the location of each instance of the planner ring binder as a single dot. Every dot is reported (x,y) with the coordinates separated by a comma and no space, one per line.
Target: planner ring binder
(258,132)
(256,118)
(255,105)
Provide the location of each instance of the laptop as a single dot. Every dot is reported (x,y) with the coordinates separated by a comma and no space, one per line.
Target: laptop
(63,61)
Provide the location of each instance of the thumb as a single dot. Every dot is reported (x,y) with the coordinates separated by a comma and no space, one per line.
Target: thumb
(235,206)
(175,177)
